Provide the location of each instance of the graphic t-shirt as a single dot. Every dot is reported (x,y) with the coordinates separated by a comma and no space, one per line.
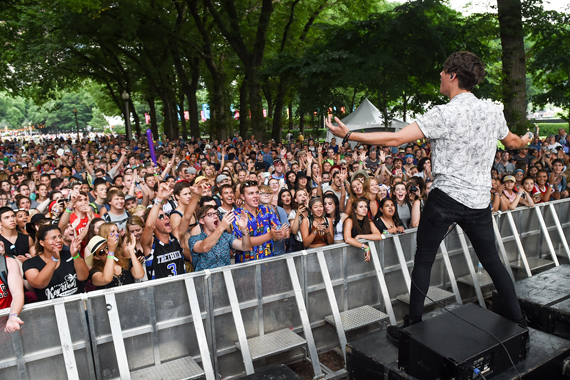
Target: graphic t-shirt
(64,281)
(469,128)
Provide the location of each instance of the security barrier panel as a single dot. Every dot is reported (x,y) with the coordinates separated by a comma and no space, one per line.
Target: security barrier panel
(232,321)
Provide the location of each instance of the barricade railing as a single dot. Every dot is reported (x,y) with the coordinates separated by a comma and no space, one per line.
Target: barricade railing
(231,321)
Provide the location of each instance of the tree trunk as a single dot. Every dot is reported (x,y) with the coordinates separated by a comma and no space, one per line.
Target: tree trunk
(182,118)
(302,123)
(278,115)
(243,110)
(269,98)
(153,123)
(514,63)
(290,126)
(136,117)
(192,101)
(256,105)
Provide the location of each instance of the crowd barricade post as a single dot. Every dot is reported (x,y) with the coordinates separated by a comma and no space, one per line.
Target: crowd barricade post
(282,309)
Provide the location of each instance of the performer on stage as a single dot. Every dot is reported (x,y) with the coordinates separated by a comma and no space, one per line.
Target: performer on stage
(469,127)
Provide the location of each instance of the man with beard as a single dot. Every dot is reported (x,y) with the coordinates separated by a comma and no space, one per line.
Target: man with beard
(211,248)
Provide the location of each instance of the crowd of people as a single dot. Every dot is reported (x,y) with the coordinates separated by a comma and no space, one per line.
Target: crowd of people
(76,216)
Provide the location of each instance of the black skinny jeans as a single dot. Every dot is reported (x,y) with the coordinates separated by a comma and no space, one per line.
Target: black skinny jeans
(439,213)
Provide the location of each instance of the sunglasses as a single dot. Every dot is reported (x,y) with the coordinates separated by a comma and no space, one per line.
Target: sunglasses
(103,251)
(162,216)
(249,184)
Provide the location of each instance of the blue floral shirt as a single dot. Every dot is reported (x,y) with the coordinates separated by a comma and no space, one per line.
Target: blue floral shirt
(219,256)
(266,220)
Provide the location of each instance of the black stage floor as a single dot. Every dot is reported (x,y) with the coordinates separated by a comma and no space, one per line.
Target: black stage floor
(374,357)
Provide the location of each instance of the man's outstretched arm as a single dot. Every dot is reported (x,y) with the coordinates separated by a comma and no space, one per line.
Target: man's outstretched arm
(409,133)
(513,141)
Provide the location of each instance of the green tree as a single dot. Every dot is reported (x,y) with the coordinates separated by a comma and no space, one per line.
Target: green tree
(550,62)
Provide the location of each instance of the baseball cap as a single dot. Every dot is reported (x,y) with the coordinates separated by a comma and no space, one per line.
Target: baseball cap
(94,244)
(221,177)
(508,178)
(408,155)
(129,197)
(191,170)
(200,179)
(277,162)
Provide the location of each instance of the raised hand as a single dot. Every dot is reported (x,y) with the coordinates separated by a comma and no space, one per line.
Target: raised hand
(164,191)
(84,154)
(75,246)
(309,158)
(227,220)
(112,242)
(124,151)
(132,244)
(382,155)
(339,131)
(243,220)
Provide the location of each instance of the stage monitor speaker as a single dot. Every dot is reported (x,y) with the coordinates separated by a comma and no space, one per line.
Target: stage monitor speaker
(445,347)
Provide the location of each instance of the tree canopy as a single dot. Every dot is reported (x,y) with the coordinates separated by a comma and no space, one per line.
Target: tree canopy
(277,63)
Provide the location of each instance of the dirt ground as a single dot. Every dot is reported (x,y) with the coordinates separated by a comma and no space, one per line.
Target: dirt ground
(330,359)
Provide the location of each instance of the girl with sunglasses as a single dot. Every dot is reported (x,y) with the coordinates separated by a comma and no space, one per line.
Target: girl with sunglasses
(110,267)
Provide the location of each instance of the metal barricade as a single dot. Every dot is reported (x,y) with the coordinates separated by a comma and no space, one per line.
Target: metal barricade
(231,321)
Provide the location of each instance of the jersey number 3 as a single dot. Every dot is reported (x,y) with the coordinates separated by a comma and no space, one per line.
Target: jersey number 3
(172,268)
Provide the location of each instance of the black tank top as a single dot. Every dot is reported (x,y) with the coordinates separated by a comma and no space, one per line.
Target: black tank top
(354,232)
(165,260)
(21,247)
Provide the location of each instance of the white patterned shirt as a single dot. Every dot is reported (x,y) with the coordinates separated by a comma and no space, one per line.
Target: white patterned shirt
(463,135)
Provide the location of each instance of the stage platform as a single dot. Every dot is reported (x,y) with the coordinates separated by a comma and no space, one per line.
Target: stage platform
(280,372)
(374,357)
(545,299)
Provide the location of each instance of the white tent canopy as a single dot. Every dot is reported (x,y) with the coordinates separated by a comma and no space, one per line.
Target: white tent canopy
(367,117)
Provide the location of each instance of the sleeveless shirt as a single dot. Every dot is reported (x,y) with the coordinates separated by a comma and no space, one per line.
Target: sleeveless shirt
(165,260)
(21,247)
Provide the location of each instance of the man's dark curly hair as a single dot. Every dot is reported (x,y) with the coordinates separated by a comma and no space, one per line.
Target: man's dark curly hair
(468,67)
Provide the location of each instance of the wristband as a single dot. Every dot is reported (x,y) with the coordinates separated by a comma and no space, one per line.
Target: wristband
(112,257)
(13,315)
(345,140)
(69,210)
(362,246)
(76,257)
(54,259)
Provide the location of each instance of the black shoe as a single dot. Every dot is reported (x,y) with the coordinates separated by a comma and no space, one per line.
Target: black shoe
(393,332)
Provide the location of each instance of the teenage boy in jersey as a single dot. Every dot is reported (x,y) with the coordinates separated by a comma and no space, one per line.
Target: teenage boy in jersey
(211,248)
(11,291)
(162,250)
(100,191)
(117,214)
(263,225)
(16,244)
(471,127)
